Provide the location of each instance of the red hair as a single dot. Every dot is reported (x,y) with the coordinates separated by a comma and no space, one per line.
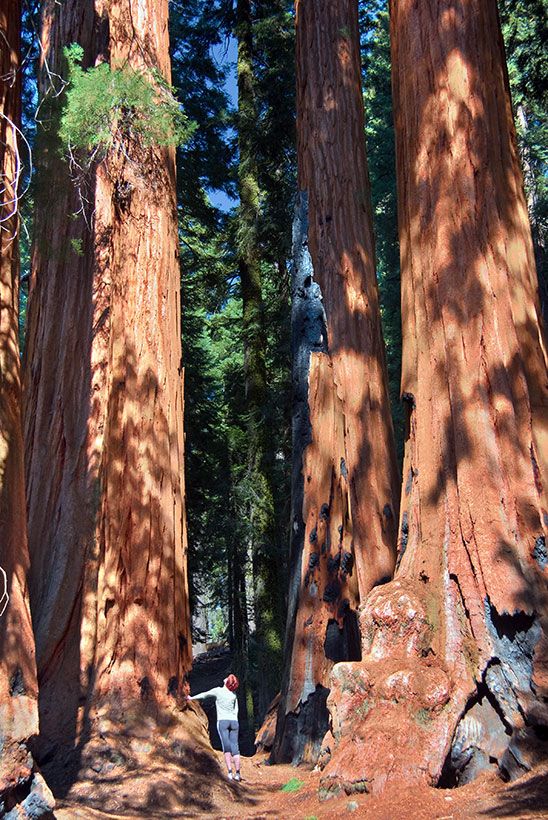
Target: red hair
(232,683)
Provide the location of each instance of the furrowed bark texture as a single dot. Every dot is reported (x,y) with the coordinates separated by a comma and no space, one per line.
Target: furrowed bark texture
(104,404)
(267,575)
(454,675)
(345,480)
(19,780)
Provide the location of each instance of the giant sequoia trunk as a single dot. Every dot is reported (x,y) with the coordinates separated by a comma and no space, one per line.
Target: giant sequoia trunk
(18,686)
(345,483)
(455,648)
(104,405)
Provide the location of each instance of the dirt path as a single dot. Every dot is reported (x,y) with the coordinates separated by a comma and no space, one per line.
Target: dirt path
(260,795)
(166,776)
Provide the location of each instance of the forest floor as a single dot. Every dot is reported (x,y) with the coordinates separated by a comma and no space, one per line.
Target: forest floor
(168,778)
(260,795)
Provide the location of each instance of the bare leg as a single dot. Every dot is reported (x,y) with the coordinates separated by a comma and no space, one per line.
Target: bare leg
(228,760)
(237,762)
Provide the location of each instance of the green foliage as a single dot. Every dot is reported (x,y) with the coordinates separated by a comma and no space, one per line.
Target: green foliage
(76,245)
(275,137)
(107,105)
(293,785)
(525,32)
(218,625)
(206,160)
(212,347)
(231,504)
(213,359)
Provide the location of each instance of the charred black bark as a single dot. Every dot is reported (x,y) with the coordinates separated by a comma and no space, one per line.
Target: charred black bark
(308,335)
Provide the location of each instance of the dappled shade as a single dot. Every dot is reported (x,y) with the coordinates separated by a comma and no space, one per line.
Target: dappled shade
(345,477)
(104,412)
(454,676)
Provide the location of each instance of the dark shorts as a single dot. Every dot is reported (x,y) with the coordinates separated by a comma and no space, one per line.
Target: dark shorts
(228,732)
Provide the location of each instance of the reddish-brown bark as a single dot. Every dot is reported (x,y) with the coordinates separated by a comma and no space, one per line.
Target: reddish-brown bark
(104,405)
(18,685)
(455,648)
(344,518)
(16,642)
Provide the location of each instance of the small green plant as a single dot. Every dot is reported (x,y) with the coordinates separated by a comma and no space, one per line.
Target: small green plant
(423,717)
(293,785)
(106,105)
(76,245)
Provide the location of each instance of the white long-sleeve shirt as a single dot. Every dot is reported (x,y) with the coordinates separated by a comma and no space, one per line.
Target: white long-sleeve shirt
(226,702)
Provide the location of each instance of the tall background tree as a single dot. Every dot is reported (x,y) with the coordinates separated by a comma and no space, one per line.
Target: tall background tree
(259,538)
(455,648)
(204,164)
(237,458)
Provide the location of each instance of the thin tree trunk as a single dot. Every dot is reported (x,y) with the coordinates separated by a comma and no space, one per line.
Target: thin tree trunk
(104,405)
(455,647)
(267,581)
(345,479)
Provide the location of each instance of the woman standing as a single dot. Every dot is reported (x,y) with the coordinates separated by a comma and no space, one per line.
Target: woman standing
(226,704)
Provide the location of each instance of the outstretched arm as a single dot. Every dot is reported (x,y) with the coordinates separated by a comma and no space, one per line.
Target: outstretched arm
(211,693)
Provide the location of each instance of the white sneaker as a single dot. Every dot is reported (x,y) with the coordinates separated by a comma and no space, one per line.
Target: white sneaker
(237,777)
(229,775)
